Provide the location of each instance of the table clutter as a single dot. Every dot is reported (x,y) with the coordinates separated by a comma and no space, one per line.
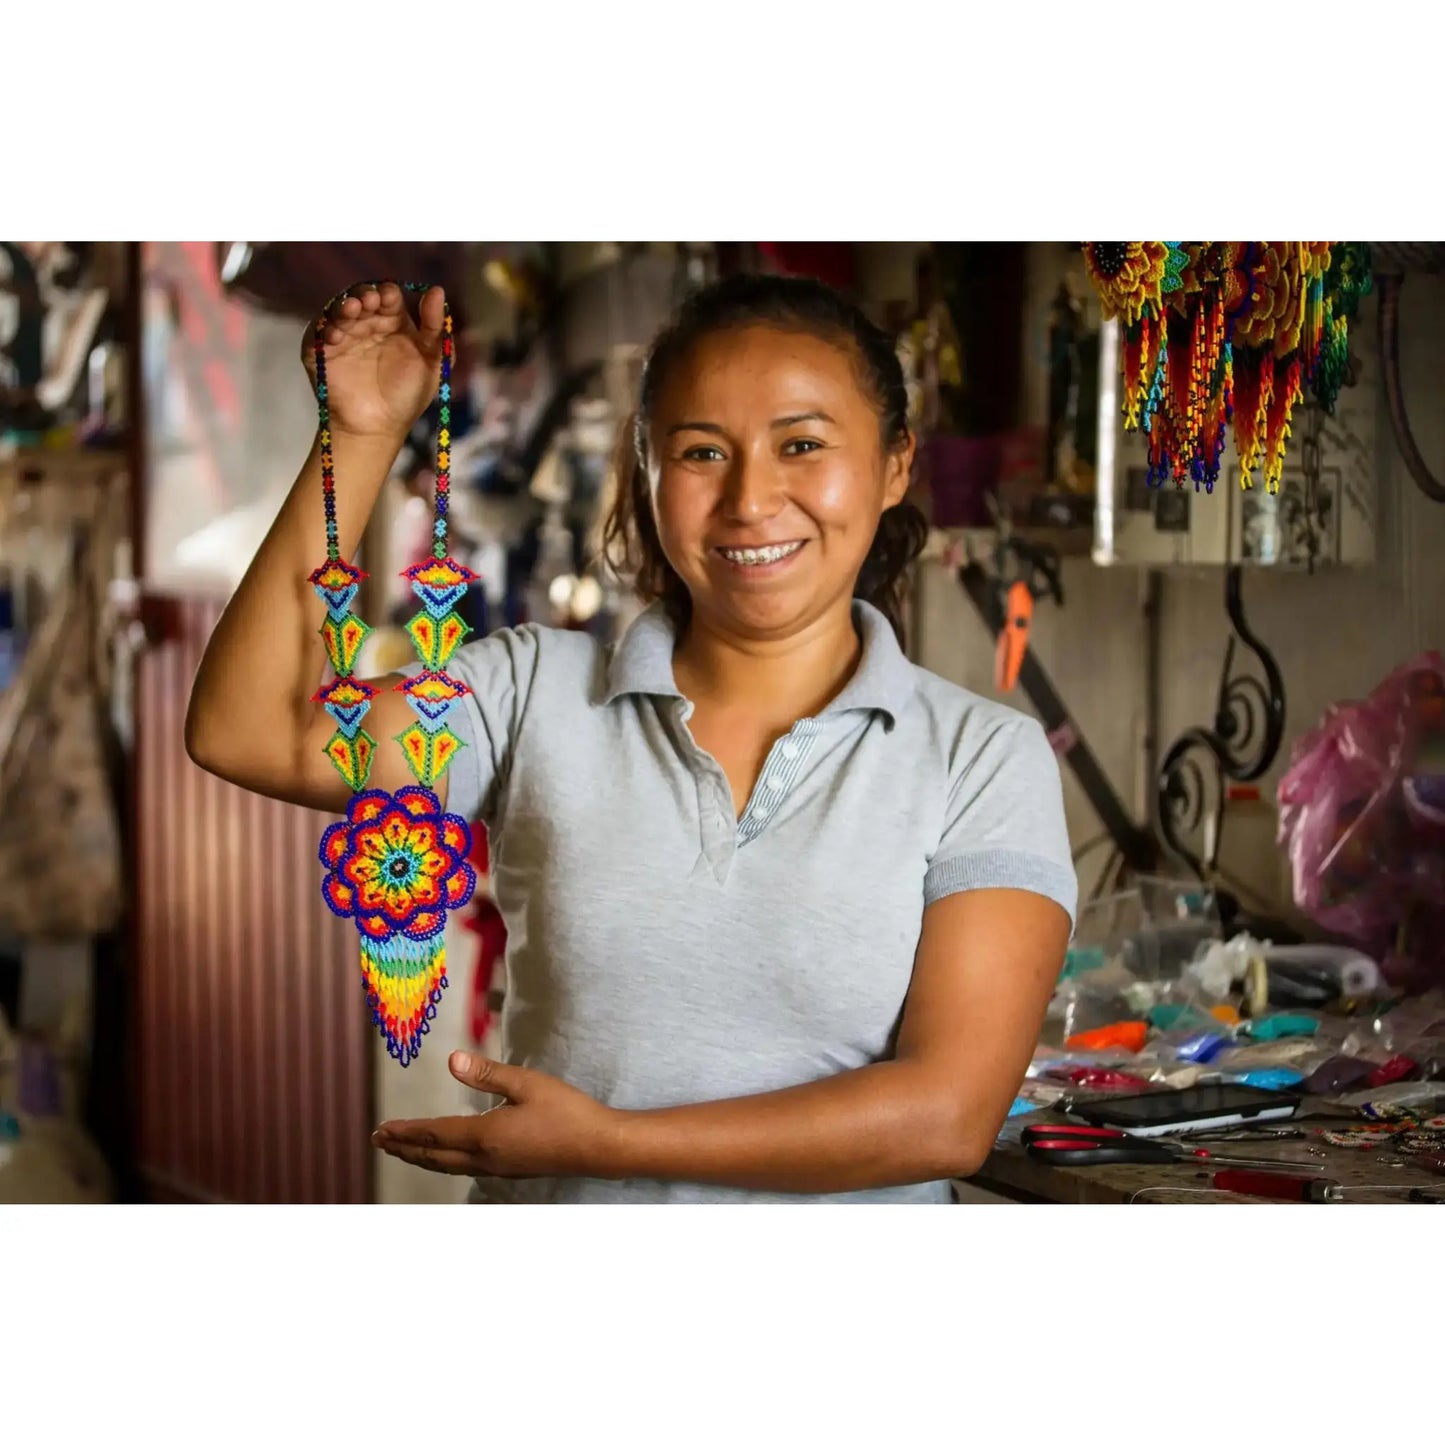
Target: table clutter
(1177,1065)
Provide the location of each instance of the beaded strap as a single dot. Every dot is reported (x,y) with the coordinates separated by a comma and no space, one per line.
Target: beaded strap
(397,863)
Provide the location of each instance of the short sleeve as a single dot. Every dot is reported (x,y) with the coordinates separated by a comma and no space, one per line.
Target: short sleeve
(1004,825)
(500,671)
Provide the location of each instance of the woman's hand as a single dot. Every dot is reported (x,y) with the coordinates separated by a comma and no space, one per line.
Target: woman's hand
(382,368)
(546,1129)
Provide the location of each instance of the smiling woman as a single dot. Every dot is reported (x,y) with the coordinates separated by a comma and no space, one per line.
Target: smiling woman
(778,407)
(784,910)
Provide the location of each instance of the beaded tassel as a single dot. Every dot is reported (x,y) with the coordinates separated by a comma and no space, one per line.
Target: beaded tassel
(1253,393)
(396,864)
(1141,343)
(1287,390)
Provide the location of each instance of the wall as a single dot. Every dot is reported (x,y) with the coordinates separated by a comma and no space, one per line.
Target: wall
(1094,646)
(251,1033)
(1093,649)
(1338,633)
(1335,634)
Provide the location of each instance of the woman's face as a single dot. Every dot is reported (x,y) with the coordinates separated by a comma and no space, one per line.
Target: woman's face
(768,477)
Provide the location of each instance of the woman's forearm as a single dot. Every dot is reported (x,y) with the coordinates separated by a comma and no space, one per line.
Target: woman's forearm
(249,707)
(890,1123)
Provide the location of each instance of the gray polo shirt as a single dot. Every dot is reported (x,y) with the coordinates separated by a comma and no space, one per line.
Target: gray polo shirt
(661,951)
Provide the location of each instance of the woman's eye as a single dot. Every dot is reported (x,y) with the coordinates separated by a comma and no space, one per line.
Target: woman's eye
(799,445)
(702,454)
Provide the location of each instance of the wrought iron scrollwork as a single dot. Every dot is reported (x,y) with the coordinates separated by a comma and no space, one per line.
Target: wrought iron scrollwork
(1240,746)
(1429,485)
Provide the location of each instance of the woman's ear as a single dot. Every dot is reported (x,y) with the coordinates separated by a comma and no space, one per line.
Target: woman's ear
(898,472)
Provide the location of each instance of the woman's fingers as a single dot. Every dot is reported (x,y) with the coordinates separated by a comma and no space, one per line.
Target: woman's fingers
(451,1133)
(439,1161)
(366,310)
(445,1145)
(432,313)
(389,299)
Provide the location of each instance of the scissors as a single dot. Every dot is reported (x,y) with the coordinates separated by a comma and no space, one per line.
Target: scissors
(1077,1144)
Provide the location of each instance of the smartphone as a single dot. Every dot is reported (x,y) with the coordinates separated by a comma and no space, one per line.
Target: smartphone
(1181,1111)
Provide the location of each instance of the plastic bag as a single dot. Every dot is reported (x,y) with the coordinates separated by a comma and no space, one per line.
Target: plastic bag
(1367,858)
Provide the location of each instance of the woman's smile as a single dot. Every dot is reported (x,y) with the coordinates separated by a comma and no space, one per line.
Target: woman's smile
(760,561)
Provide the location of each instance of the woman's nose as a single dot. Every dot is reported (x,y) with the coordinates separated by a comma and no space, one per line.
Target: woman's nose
(754,489)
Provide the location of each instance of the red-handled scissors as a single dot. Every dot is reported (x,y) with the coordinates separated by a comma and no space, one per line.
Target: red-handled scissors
(1076,1144)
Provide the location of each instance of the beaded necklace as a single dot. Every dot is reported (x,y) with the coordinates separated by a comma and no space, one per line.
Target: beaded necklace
(396,864)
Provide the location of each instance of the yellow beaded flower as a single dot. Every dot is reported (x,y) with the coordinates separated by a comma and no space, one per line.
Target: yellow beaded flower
(1273,313)
(1127,276)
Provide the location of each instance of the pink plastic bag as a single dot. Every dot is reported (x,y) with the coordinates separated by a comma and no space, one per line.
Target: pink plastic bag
(1362,822)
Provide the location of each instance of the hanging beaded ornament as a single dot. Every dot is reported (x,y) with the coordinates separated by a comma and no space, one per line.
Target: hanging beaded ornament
(1344,285)
(1225,332)
(396,863)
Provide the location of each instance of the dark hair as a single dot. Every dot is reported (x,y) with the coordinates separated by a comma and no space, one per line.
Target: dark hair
(630,542)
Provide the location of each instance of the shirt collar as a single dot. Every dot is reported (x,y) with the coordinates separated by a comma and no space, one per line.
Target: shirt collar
(883,682)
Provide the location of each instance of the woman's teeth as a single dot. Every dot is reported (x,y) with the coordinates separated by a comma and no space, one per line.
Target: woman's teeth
(759,556)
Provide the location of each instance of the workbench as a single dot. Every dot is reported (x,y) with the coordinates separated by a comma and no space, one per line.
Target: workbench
(1011,1176)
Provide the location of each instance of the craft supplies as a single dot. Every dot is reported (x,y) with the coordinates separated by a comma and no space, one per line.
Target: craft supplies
(1220,964)
(1286,1053)
(1268,1078)
(396,864)
(1337,1074)
(1178,1076)
(1206,1106)
(1073,1145)
(1358,1136)
(1082,960)
(1292,986)
(1201,1048)
(1355,974)
(1226,334)
(1256,987)
(1263,1184)
(1393,1071)
(1427,1093)
(1128,1035)
(1427,1139)
(1236,1132)
(1169,1016)
(1281,1026)
(1086,1078)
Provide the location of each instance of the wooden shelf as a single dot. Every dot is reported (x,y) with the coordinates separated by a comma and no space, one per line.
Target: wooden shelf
(1066,541)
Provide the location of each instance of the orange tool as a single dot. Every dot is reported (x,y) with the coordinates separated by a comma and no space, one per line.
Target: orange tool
(1026,572)
(1013,640)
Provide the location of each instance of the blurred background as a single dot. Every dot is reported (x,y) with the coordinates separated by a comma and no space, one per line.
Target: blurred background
(179,1012)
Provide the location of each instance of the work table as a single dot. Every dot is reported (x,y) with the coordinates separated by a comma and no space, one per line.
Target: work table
(1011,1174)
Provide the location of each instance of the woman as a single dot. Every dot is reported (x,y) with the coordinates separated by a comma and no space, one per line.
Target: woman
(784,911)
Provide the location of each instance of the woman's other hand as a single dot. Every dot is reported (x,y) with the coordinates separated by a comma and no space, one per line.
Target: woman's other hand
(546,1129)
(382,368)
